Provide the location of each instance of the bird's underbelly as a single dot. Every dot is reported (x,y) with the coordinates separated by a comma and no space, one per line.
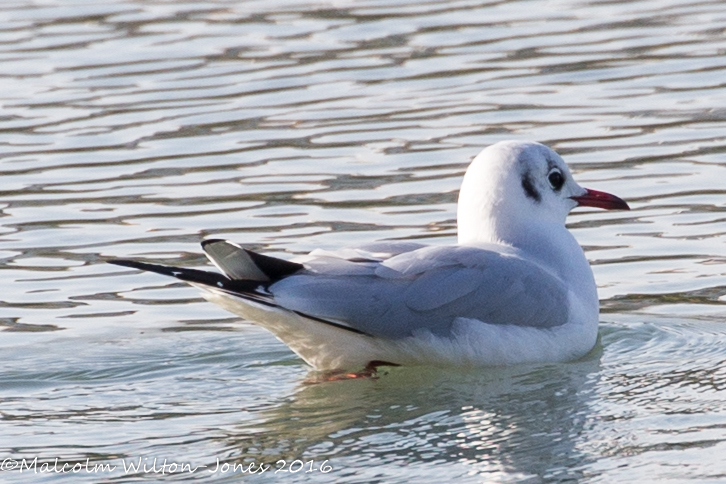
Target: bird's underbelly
(470,343)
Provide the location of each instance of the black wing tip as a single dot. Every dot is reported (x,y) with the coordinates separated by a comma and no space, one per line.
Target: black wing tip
(244,289)
(157,268)
(127,263)
(207,242)
(194,276)
(273,267)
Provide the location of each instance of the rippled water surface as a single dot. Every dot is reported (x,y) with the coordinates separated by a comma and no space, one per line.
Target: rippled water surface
(136,129)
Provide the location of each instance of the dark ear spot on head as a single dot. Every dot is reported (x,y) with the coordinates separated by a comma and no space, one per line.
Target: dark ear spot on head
(529,188)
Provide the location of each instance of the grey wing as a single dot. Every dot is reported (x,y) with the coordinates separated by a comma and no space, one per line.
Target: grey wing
(427,288)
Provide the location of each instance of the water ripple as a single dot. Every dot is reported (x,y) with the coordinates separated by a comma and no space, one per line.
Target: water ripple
(136,130)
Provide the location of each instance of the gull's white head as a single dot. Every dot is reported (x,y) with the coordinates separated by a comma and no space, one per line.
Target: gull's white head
(513,186)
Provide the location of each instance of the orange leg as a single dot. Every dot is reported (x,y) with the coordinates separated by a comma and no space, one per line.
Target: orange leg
(369,372)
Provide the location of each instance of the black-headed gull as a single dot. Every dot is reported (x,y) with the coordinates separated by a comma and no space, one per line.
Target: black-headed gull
(517,287)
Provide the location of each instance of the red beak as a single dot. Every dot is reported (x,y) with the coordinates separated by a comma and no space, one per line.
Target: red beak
(593,198)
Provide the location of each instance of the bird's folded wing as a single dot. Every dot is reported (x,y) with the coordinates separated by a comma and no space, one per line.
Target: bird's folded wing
(427,288)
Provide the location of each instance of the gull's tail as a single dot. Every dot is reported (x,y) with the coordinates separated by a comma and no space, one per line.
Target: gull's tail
(243,270)
(246,275)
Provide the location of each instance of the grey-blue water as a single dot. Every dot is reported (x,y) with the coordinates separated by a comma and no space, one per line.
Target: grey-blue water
(137,128)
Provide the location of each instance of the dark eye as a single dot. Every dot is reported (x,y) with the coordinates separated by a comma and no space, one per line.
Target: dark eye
(556,180)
